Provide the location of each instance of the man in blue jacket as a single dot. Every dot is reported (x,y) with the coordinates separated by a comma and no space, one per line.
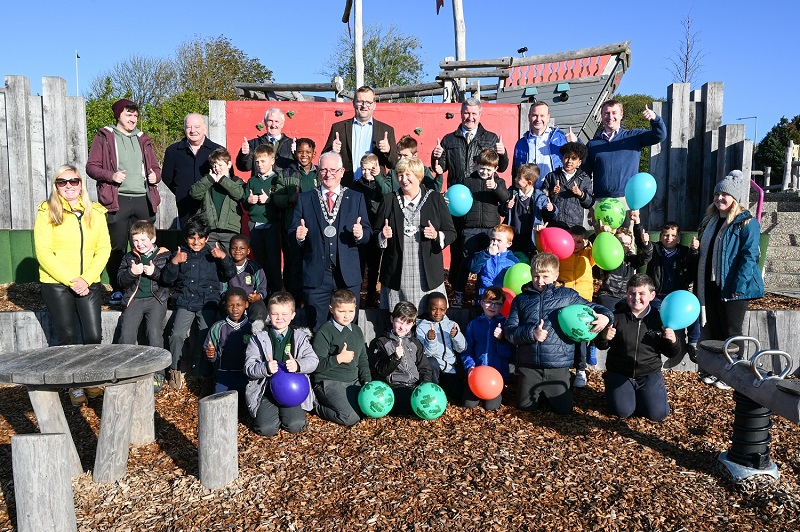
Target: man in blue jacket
(541,144)
(614,152)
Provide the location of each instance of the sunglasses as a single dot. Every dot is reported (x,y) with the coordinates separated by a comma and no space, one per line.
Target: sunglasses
(61,183)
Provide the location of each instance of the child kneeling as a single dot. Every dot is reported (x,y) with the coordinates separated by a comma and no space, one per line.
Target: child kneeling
(279,343)
(635,343)
(544,352)
(398,358)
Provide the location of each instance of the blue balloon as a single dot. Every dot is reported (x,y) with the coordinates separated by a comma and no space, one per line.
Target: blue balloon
(289,389)
(640,190)
(679,310)
(459,200)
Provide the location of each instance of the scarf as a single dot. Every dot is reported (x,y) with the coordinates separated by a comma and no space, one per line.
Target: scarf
(708,233)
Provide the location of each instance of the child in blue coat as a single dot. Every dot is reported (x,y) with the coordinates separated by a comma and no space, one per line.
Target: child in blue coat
(486,345)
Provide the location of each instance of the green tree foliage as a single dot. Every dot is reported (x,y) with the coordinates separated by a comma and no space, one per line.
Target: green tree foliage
(390,58)
(633,106)
(167,89)
(209,67)
(772,148)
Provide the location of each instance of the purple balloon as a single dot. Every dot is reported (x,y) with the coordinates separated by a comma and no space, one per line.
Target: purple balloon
(289,389)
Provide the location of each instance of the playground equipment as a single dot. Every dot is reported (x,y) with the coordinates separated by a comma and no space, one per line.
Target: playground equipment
(757,394)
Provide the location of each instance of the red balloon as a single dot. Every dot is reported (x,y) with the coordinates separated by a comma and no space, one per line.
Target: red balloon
(507,304)
(485,382)
(557,241)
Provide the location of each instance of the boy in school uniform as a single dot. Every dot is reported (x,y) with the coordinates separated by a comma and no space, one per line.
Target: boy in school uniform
(635,341)
(144,297)
(398,358)
(249,277)
(343,364)
(265,217)
(407,148)
(226,342)
(443,342)
(279,343)
(197,272)
(544,352)
(301,176)
(370,253)
(220,192)
(527,210)
(570,187)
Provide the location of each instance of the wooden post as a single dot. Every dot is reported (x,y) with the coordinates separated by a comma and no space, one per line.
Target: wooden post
(143,429)
(115,433)
(18,128)
(54,113)
(713,94)
(217,435)
(678,96)
(730,149)
(358,42)
(5,195)
(42,484)
(460,29)
(50,417)
(655,212)
(787,166)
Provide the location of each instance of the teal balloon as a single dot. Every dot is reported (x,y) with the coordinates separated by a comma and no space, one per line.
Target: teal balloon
(679,310)
(428,400)
(376,399)
(516,276)
(459,200)
(640,190)
(607,251)
(576,322)
(610,212)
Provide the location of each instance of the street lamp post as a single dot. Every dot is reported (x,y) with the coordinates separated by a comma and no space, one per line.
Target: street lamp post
(755,136)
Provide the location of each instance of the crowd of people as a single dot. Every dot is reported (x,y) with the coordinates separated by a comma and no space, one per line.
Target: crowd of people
(282,292)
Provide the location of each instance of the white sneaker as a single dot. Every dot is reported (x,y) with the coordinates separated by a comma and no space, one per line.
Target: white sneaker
(707,378)
(580,379)
(722,385)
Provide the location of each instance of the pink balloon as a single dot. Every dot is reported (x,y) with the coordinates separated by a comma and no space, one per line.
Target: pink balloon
(557,241)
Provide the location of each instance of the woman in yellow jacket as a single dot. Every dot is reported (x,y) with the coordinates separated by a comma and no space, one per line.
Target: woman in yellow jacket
(72,247)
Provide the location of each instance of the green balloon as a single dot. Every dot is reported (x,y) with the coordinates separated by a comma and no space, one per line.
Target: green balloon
(516,276)
(610,212)
(576,322)
(607,251)
(428,401)
(376,399)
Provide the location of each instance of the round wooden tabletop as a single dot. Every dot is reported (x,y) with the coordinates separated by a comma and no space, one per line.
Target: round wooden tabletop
(79,365)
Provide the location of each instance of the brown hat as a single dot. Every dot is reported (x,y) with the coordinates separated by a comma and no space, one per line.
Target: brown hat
(121,105)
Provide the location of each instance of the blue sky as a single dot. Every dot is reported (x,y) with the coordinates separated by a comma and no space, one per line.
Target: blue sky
(748,46)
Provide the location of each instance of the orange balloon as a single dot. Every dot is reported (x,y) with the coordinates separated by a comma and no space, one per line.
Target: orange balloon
(485,382)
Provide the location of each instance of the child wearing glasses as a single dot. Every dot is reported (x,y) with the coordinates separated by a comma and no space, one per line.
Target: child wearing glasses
(486,345)
(489,193)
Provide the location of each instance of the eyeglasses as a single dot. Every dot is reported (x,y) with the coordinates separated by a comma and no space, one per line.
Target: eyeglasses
(326,171)
(494,304)
(74,182)
(363,103)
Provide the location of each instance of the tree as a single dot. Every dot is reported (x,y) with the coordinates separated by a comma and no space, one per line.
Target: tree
(390,58)
(687,58)
(772,148)
(167,89)
(209,67)
(633,105)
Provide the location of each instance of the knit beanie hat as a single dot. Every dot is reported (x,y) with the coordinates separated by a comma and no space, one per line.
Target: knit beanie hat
(120,106)
(733,185)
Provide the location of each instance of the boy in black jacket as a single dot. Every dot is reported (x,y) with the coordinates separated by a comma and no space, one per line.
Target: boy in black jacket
(197,270)
(489,192)
(635,342)
(398,358)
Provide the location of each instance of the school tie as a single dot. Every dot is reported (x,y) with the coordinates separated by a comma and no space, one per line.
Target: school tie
(330,200)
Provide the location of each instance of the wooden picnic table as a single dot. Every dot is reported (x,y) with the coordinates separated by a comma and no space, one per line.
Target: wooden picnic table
(128,404)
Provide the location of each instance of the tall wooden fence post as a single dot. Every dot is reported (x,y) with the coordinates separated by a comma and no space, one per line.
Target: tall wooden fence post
(217,435)
(42,484)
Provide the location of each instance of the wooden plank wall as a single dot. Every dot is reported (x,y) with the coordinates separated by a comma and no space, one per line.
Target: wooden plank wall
(698,152)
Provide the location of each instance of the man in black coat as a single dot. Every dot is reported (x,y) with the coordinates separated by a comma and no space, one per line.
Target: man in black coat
(186,163)
(274,120)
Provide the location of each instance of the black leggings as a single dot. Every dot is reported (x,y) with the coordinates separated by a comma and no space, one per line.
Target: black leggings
(63,304)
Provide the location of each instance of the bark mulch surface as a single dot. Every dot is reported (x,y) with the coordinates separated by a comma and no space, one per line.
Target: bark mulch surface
(468,470)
